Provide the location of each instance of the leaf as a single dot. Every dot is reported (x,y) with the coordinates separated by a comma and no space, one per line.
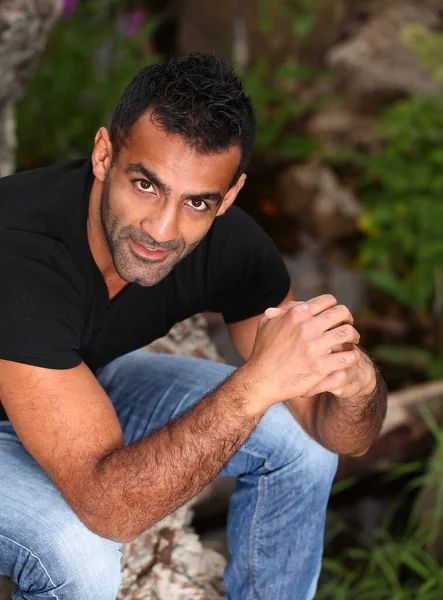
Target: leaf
(391,284)
(413,356)
(302,25)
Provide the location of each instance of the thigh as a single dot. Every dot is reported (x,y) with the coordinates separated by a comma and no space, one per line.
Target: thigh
(44,547)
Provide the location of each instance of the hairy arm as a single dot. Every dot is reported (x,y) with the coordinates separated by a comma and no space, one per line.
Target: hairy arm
(344,425)
(67,422)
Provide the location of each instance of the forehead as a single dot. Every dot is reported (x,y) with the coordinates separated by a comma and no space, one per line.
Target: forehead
(174,160)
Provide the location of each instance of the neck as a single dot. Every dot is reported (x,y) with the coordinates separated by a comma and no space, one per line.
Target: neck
(98,243)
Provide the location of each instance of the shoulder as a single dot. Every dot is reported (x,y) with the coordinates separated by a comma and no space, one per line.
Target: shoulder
(46,201)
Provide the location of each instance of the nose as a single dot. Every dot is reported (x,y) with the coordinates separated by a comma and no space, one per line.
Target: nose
(162,223)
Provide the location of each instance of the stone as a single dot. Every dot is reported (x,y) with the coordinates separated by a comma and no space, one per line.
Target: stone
(312,193)
(24,26)
(376,62)
(168,562)
(190,338)
(342,129)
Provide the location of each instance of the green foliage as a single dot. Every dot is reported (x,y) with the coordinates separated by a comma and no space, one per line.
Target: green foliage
(403,191)
(272,89)
(275,109)
(429,47)
(394,567)
(80,77)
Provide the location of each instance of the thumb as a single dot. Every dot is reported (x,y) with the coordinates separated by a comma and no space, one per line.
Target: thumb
(270,313)
(278,311)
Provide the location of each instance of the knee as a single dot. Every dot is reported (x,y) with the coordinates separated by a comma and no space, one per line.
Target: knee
(288,446)
(66,562)
(319,464)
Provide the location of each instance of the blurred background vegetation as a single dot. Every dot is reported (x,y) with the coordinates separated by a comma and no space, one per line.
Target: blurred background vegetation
(347,178)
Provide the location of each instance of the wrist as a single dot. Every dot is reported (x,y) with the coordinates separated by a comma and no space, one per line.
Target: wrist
(253,390)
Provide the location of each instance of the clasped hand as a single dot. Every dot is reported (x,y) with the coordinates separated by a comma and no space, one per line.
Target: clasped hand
(307,348)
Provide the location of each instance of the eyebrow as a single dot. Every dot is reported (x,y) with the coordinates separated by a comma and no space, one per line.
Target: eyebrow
(215,197)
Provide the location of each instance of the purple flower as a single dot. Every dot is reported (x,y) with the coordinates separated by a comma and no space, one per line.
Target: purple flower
(69,7)
(134,19)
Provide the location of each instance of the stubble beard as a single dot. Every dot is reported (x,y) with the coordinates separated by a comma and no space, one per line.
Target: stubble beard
(131,267)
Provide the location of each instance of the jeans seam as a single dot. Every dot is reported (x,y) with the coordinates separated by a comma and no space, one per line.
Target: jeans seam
(252,545)
(34,556)
(266,462)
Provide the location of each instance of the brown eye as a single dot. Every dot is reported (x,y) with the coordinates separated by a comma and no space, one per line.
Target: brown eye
(144,185)
(198,205)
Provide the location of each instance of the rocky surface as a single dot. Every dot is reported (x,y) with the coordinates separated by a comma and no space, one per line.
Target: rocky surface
(313,194)
(168,562)
(376,62)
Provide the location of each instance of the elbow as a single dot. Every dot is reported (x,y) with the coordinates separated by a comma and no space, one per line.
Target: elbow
(105,520)
(108,528)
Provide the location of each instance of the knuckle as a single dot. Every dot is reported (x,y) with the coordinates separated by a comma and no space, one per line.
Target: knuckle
(342,332)
(345,312)
(300,308)
(339,377)
(343,359)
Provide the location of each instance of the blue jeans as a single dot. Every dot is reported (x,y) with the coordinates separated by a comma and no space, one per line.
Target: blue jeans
(276,516)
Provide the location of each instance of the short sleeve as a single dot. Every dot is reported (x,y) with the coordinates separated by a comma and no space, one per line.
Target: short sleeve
(245,271)
(40,316)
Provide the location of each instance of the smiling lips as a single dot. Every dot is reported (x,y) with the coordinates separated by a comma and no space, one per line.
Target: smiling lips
(147,253)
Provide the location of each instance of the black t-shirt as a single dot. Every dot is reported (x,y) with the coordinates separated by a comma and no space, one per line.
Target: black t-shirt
(55,310)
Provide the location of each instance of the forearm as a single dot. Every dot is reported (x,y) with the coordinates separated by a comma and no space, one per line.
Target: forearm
(136,486)
(350,425)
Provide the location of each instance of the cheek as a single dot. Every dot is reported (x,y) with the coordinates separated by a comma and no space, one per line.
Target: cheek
(193,229)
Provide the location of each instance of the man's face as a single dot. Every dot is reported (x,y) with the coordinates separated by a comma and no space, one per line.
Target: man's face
(160,199)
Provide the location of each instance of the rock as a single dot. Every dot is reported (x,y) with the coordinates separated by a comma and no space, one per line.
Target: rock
(319,267)
(168,562)
(312,193)
(24,25)
(190,338)
(341,129)
(376,62)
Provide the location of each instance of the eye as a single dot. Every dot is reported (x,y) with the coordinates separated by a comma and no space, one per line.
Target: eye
(144,185)
(198,205)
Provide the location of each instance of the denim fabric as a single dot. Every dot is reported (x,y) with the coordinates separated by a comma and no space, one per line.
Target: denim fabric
(276,516)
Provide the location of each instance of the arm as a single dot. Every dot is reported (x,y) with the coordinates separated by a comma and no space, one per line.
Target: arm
(346,421)
(67,422)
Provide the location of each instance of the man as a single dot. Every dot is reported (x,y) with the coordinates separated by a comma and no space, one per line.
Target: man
(99,441)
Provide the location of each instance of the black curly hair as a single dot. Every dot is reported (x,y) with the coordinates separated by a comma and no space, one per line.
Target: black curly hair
(198,96)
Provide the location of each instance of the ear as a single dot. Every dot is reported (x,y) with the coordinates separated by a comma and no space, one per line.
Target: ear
(101,154)
(231,195)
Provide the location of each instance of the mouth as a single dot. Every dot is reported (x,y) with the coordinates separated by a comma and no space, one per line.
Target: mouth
(146,252)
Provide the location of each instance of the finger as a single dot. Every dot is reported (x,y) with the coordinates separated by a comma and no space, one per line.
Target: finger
(321,303)
(316,306)
(333,383)
(277,311)
(331,318)
(344,335)
(338,361)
